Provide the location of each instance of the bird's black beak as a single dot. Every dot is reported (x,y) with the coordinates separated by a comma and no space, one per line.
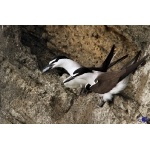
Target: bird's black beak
(47,68)
(68,79)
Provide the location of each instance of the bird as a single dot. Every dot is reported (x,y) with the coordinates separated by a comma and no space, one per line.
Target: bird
(62,62)
(108,84)
(71,66)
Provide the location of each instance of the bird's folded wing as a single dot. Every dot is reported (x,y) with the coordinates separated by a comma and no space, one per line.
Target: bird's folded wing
(106,82)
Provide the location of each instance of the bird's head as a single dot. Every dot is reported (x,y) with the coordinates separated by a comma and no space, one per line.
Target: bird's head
(55,63)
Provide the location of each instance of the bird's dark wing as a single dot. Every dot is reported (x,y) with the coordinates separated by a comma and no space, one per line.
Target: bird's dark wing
(117,61)
(134,60)
(105,82)
(105,64)
(108,59)
(110,65)
(132,68)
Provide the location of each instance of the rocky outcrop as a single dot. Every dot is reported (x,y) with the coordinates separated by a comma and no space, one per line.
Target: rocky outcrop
(28,96)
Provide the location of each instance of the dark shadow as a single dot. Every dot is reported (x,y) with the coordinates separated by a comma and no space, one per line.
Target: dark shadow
(32,37)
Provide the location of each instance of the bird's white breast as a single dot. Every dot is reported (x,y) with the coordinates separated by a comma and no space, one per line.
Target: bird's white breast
(120,86)
(75,83)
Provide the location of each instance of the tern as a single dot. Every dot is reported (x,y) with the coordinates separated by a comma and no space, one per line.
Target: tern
(107,84)
(71,66)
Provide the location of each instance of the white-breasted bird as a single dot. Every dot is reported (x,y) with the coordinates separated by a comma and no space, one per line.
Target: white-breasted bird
(71,66)
(109,83)
(63,62)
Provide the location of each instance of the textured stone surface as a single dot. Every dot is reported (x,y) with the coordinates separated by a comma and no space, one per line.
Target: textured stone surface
(28,96)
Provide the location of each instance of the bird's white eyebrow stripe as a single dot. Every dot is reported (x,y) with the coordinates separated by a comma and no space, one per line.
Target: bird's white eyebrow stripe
(75,74)
(52,61)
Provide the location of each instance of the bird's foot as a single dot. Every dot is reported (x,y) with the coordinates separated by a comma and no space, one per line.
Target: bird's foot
(101,104)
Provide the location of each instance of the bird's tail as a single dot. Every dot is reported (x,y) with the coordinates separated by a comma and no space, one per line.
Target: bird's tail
(117,61)
(105,64)
(132,68)
(133,60)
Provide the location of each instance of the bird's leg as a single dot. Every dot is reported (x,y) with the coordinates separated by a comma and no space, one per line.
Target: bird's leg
(101,104)
(111,101)
(84,91)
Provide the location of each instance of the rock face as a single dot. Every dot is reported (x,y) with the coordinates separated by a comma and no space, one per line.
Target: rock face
(28,96)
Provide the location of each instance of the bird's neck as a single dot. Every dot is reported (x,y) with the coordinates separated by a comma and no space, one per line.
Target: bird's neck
(70,66)
(90,78)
